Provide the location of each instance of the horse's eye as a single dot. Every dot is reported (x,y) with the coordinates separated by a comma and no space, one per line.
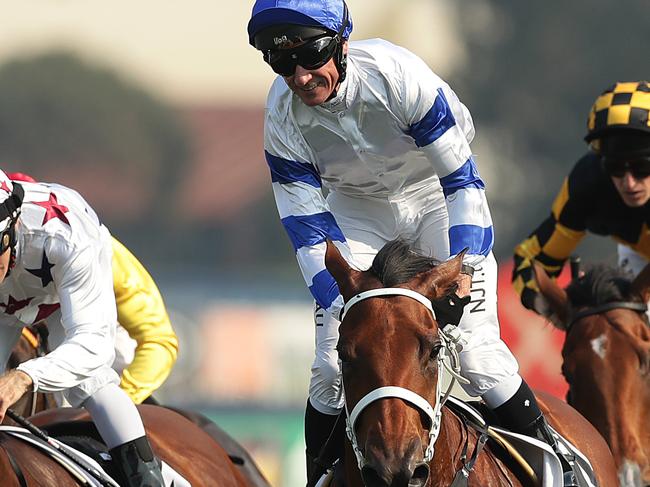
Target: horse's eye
(435,351)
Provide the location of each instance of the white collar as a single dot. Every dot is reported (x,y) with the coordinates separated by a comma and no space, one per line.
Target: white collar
(346,92)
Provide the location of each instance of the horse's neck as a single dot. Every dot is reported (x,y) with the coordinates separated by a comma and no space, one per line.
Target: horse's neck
(449,447)
(455,438)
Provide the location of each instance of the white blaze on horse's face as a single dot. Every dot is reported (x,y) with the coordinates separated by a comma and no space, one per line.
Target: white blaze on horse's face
(629,475)
(599,346)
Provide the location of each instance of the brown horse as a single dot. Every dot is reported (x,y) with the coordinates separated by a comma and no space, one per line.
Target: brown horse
(177,441)
(33,343)
(606,359)
(389,347)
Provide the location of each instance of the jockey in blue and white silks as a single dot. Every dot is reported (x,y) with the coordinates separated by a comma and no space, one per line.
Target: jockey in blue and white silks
(366,144)
(414,134)
(392,150)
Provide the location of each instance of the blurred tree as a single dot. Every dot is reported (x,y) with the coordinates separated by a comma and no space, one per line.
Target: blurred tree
(64,120)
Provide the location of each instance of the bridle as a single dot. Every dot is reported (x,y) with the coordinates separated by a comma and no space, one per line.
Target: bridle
(635,306)
(575,274)
(451,345)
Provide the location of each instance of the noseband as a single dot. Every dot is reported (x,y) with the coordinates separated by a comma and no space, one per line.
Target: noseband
(451,344)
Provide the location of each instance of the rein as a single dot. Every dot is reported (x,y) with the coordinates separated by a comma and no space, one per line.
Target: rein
(451,345)
(37,343)
(641,307)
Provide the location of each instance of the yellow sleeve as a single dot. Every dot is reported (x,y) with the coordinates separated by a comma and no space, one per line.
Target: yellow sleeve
(550,245)
(141,311)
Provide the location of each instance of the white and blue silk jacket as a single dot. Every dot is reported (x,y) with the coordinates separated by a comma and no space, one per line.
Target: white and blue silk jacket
(392,127)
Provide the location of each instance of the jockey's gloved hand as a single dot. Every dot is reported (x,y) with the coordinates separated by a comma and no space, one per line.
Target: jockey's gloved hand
(449,309)
(525,283)
(523,280)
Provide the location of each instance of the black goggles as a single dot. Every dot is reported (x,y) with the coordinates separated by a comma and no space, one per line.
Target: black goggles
(638,168)
(313,54)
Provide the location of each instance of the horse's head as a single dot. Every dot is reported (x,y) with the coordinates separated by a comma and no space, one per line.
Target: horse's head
(607,355)
(389,347)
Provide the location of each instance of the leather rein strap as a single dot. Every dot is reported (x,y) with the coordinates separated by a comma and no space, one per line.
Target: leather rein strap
(640,307)
(16,468)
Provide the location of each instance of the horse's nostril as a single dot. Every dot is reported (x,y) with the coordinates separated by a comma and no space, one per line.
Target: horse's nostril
(420,474)
(371,477)
(375,478)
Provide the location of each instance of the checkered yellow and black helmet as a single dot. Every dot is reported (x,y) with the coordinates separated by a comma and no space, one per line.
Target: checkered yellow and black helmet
(623,107)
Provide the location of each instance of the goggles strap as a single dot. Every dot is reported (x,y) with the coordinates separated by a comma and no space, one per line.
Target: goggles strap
(10,207)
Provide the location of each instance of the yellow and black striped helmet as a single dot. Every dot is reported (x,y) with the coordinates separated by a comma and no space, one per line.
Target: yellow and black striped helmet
(623,107)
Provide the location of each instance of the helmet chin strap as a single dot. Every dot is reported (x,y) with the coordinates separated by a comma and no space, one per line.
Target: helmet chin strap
(10,209)
(341,58)
(341,63)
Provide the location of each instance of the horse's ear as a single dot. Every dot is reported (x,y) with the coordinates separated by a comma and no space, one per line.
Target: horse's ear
(439,280)
(345,276)
(556,297)
(641,283)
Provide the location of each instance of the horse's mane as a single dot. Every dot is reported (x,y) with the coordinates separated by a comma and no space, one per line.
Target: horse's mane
(602,284)
(397,262)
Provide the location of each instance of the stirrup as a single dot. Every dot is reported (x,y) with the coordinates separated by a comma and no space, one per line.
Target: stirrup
(568,474)
(540,429)
(570,479)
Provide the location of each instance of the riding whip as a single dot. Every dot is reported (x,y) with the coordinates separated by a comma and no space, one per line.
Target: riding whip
(42,435)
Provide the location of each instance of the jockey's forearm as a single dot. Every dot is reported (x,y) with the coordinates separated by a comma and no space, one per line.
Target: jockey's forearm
(13,385)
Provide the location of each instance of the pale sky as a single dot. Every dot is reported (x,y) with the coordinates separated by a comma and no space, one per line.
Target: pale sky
(196,51)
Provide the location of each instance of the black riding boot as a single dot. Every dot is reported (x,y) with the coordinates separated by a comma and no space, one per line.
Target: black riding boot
(521,414)
(137,464)
(318,427)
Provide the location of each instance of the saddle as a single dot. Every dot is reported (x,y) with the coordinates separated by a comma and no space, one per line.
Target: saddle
(535,457)
(85,455)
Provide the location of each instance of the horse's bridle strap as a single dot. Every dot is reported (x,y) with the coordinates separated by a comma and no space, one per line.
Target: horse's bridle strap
(387,291)
(391,391)
(433,413)
(641,307)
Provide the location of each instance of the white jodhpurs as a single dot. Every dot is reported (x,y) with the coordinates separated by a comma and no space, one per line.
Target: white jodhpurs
(631,261)
(486,361)
(116,417)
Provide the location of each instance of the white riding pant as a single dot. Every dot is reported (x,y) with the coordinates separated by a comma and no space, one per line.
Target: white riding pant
(632,261)
(368,224)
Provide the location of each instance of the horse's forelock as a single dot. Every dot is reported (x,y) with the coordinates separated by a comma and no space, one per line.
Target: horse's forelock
(397,262)
(602,284)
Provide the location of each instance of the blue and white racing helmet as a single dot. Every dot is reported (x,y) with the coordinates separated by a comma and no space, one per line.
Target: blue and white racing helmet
(278,24)
(325,14)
